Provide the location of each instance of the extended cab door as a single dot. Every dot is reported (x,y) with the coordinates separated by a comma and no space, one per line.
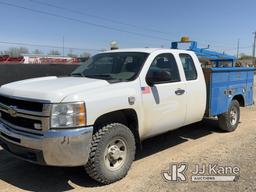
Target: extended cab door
(196,87)
(164,103)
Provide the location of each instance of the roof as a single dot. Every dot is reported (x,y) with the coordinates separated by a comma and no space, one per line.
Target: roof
(144,50)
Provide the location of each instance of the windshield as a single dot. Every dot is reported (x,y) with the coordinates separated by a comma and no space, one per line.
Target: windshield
(113,67)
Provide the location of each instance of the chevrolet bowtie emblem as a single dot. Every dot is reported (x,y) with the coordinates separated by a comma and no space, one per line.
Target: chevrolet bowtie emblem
(12,111)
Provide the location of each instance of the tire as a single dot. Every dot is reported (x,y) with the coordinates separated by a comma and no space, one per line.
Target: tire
(112,153)
(229,121)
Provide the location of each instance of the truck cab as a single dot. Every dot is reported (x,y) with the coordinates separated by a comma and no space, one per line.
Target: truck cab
(98,115)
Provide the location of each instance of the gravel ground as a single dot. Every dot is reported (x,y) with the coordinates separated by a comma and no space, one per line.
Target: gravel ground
(196,144)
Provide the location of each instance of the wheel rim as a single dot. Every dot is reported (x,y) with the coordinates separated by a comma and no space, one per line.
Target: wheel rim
(115,154)
(233,115)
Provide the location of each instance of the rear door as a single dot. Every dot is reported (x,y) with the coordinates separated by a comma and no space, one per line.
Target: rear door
(165,102)
(196,88)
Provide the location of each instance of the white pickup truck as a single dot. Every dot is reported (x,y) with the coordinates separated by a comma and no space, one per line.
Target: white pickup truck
(99,115)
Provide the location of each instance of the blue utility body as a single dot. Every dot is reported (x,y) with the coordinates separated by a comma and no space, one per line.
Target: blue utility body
(225,84)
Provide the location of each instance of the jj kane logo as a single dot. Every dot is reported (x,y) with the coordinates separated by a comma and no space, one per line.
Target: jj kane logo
(178,172)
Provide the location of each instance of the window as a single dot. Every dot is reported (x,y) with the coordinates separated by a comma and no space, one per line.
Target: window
(164,63)
(113,67)
(188,66)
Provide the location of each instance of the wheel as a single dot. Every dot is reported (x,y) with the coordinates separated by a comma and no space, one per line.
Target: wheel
(229,121)
(112,153)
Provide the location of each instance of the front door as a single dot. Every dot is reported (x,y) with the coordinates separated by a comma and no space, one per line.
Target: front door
(165,102)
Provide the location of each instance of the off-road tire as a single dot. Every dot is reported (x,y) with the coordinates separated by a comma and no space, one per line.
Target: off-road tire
(225,118)
(96,167)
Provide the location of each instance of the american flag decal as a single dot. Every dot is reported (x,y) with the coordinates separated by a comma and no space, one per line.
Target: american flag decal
(145,90)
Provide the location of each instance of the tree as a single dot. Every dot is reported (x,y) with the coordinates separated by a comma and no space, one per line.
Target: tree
(16,51)
(245,57)
(37,52)
(54,52)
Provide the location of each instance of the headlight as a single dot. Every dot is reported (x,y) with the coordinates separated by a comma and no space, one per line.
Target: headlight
(67,115)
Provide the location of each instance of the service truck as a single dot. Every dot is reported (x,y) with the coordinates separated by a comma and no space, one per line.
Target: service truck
(98,116)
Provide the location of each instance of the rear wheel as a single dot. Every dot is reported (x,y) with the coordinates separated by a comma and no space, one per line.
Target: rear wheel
(229,121)
(112,153)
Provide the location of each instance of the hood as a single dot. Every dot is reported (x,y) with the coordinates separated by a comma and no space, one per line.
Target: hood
(51,88)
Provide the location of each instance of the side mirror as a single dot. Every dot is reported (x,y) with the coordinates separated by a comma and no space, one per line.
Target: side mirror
(159,76)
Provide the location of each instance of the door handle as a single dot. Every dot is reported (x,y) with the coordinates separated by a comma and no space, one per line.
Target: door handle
(179,91)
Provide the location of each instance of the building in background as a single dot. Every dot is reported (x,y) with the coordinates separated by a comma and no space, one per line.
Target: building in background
(47,59)
(41,59)
(6,59)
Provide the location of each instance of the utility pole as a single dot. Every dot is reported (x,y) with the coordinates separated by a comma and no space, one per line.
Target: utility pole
(238,47)
(254,49)
(63,46)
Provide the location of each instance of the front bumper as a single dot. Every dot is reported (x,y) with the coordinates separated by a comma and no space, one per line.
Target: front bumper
(69,147)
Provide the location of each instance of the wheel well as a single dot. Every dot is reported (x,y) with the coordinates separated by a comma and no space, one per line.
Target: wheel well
(240,99)
(127,117)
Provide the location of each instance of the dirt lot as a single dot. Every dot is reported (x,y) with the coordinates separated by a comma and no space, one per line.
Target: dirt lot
(196,144)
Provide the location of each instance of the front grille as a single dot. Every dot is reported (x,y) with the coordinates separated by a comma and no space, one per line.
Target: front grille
(20,121)
(22,104)
(24,115)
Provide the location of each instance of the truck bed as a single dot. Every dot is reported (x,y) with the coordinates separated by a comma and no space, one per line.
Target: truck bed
(224,84)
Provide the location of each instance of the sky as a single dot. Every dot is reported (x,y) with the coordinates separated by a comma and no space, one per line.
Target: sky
(94,24)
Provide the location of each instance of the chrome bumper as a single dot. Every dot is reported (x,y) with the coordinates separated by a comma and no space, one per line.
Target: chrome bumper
(53,147)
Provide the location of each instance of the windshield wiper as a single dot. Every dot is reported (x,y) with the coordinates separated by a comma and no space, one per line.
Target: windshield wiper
(100,76)
(77,74)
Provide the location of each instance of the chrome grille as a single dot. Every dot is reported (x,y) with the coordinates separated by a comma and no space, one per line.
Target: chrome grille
(24,115)
(20,121)
(21,104)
